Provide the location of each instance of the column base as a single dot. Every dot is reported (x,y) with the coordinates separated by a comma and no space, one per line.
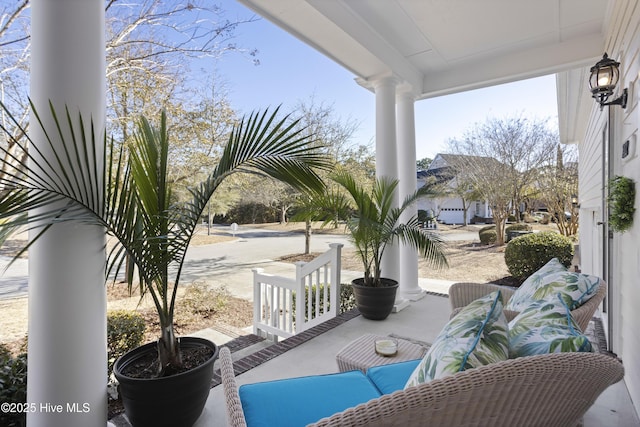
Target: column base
(414,294)
(400,305)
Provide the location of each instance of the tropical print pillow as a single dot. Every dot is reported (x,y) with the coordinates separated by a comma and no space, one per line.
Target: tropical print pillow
(523,295)
(545,326)
(476,336)
(574,288)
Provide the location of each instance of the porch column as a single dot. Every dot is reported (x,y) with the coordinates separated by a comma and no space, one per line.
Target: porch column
(386,157)
(409,288)
(67,298)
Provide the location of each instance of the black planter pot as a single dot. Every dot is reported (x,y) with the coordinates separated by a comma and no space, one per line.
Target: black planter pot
(176,400)
(375,303)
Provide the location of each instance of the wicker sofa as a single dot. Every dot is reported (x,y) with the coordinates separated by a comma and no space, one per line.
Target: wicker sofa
(544,390)
(462,294)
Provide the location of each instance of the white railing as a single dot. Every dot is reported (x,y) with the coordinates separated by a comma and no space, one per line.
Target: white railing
(283,307)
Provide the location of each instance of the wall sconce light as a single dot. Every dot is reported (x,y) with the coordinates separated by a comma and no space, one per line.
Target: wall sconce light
(574,200)
(603,80)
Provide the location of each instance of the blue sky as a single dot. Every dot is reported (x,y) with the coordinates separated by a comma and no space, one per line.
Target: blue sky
(290,72)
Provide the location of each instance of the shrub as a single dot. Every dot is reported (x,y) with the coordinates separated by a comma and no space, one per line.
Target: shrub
(526,254)
(487,227)
(488,235)
(251,213)
(200,301)
(346,298)
(125,331)
(13,386)
(518,227)
(515,227)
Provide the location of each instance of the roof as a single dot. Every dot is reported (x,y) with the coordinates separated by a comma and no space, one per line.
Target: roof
(443,167)
(449,161)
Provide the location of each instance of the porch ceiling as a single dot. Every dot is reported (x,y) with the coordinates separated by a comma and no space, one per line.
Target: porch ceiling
(441,47)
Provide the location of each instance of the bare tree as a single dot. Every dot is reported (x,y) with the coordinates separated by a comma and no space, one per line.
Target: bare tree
(558,189)
(504,156)
(200,133)
(333,134)
(150,45)
(14,76)
(14,52)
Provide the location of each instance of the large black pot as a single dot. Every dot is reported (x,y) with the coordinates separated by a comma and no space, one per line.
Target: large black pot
(375,303)
(176,400)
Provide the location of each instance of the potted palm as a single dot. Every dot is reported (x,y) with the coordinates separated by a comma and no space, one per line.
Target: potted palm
(133,201)
(376,224)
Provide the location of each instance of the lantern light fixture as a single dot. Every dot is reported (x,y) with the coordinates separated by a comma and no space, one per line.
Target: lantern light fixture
(603,80)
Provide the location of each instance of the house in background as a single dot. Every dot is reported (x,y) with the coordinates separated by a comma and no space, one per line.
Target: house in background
(449,209)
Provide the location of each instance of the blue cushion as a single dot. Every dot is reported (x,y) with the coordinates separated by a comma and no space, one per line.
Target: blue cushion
(300,401)
(392,377)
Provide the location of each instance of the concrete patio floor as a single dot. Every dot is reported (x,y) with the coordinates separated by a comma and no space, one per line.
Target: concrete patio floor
(422,320)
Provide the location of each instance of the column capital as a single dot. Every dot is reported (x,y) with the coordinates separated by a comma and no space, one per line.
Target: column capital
(404,92)
(379,80)
(384,81)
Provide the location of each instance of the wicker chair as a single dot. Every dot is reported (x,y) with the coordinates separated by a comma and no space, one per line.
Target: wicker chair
(547,390)
(461,294)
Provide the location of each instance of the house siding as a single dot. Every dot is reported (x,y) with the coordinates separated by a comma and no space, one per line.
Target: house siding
(623,44)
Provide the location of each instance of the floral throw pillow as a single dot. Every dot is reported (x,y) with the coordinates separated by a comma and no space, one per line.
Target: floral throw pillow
(476,336)
(545,326)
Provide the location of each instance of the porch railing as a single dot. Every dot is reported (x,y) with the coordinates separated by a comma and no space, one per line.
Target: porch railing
(283,307)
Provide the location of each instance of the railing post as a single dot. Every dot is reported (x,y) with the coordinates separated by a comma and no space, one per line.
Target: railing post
(335,278)
(301,297)
(257,300)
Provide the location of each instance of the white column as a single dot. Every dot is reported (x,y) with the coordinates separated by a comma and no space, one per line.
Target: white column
(386,156)
(407,174)
(67,298)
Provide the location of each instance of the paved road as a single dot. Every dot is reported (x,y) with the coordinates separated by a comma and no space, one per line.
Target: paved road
(14,280)
(217,263)
(222,264)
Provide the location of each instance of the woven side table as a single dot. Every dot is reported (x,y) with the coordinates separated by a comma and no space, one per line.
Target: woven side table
(360,354)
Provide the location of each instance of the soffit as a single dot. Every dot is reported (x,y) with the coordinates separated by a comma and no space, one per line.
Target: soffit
(440,47)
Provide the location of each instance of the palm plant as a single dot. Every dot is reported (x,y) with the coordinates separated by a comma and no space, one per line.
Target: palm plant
(376,224)
(132,198)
